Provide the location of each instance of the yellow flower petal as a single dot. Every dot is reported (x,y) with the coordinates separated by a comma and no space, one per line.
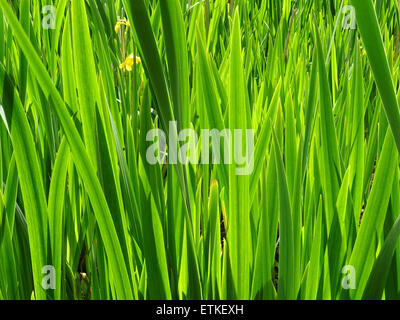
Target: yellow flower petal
(117,26)
(120,23)
(128,63)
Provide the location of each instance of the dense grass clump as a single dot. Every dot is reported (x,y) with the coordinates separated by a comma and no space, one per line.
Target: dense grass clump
(310,88)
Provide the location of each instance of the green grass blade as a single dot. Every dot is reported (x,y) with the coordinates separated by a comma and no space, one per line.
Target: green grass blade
(85,74)
(56,211)
(367,23)
(375,211)
(379,274)
(286,245)
(239,211)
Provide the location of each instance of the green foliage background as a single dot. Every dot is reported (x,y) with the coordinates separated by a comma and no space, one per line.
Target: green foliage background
(76,190)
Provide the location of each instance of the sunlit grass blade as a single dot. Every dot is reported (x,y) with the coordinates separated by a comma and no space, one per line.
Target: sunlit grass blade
(375,211)
(380,270)
(56,211)
(286,246)
(85,74)
(238,210)
(368,26)
(31,183)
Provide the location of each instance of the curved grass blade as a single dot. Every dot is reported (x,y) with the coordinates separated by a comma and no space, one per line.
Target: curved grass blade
(85,73)
(378,276)
(375,211)
(32,187)
(368,25)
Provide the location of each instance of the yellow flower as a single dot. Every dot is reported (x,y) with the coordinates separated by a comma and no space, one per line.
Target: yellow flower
(363,52)
(128,63)
(120,23)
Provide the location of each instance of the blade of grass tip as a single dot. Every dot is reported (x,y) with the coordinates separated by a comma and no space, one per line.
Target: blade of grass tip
(81,159)
(60,16)
(334,32)
(368,26)
(239,213)
(286,273)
